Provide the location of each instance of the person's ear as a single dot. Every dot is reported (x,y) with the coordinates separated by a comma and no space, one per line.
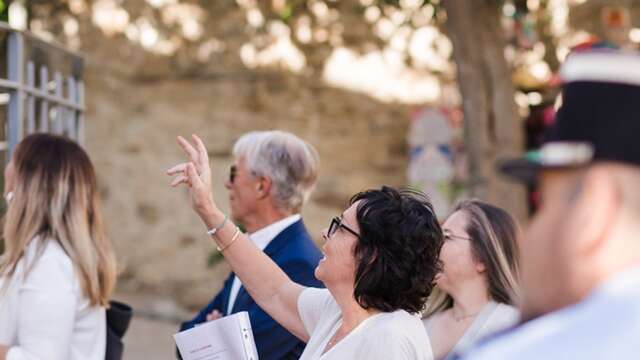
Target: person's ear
(594,209)
(263,187)
(480,267)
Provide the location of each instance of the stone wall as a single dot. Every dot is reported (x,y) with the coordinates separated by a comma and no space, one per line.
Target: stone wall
(138,103)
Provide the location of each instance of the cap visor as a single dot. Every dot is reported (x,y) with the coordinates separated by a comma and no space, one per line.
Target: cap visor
(522,169)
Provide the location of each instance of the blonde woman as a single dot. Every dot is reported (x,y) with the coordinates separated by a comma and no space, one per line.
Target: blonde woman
(476,288)
(58,269)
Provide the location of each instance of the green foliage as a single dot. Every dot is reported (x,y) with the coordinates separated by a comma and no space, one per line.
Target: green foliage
(396,3)
(215,256)
(4,11)
(290,9)
(294,8)
(286,13)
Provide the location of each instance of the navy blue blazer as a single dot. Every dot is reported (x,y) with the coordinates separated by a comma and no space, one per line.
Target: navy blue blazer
(296,254)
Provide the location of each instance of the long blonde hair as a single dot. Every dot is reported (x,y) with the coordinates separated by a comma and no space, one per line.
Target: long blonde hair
(56,199)
(494,237)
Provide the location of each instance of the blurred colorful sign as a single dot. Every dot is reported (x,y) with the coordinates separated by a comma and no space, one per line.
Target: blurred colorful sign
(435,148)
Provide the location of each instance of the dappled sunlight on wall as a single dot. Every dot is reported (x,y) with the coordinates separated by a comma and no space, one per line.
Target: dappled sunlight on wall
(413,64)
(381,75)
(274,49)
(406,61)
(185,19)
(392,51)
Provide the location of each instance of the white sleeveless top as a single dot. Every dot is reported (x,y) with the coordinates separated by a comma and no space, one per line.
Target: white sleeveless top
(46,315)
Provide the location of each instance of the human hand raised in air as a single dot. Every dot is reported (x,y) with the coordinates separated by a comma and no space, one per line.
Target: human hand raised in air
(195,173)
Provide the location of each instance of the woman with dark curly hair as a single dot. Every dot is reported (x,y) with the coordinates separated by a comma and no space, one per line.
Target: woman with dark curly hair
(381,257)
(476,290)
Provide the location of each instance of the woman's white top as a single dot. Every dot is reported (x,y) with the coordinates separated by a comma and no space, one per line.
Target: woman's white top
(46,315)
(492,318)
(394,335)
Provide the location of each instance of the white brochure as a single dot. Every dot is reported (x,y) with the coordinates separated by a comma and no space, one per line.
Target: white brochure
(228,338)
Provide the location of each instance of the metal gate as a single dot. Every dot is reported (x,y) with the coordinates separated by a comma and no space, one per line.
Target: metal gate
(41,87)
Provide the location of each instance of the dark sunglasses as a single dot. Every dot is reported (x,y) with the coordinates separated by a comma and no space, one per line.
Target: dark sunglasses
(336,223)
(232,173)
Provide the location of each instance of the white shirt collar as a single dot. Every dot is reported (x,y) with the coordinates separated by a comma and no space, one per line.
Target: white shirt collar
(619,283)
(264,236)
(566,330)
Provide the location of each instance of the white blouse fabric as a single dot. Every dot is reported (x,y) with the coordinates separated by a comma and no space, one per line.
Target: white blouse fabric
(492,318)
(46,315)
(394,335)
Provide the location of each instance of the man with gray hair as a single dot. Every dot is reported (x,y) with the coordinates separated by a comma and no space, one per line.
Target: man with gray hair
(273,174)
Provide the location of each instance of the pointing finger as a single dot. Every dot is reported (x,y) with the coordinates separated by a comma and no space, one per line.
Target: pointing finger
(202,150)
(188,148)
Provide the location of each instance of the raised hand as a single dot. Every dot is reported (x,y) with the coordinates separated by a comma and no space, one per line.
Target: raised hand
(196,174)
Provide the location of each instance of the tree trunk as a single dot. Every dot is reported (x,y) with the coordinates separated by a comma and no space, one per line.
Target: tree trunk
(493,129)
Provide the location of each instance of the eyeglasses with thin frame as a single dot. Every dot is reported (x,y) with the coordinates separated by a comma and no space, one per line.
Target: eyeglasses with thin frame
(336,223)
(450,236)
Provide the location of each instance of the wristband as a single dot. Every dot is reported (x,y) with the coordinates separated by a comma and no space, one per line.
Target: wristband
(213,231)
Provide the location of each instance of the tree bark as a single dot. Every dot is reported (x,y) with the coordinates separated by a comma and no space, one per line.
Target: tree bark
(493,129)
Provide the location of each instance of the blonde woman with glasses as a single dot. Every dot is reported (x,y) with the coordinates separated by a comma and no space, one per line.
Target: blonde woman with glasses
(57,270)
(476,288)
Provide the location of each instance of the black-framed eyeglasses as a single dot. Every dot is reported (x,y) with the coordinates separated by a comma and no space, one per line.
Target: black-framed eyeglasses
(232,173)
(450,236)
(336,223)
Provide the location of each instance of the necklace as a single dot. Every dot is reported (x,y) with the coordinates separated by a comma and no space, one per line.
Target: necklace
(460,318)
(333,341)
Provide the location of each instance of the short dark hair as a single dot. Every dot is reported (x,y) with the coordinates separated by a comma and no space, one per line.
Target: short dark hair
(397,253)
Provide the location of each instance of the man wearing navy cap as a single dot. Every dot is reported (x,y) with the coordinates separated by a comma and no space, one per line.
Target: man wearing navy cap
(580,265)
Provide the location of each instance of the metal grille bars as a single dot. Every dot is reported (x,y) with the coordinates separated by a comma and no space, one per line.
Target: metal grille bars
(45,87)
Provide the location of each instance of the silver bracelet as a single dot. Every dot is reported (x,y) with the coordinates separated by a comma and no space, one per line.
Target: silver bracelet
(213,231)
